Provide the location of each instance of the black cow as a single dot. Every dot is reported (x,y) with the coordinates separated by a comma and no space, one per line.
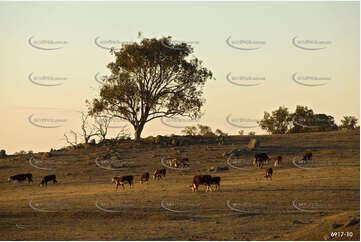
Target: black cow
(216,180)
(261,158)
(21,177)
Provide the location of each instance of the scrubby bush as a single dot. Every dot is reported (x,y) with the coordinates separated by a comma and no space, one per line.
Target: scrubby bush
(150,139)
(205,130)
(46,155)
(158,139)
(349,122)
(202,130)
(2,154)
(220,140)
(190,130)
(80,146)
(219,132)
(175,142)
(21,152)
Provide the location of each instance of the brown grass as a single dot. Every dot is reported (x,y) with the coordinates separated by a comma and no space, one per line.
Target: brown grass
(328,196)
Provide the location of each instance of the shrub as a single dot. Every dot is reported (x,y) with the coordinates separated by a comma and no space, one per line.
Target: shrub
(150,139)
(2,154)
(219,132)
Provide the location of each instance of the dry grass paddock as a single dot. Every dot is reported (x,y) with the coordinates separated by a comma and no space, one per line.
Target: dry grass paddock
(298,204)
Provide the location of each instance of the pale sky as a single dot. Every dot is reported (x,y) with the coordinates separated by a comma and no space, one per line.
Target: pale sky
(326,46)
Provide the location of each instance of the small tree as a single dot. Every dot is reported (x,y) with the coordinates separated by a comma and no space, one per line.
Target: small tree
(71,141)
(205,130)
(123,133)
(277,122)
(101,126)
(152,79)
(349,122)
(301,118)
(190,130)
(219,132)
(88,130)
(305,120)
(3,154)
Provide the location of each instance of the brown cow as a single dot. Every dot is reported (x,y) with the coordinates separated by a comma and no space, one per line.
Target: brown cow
(278,160)
(201,180)
(260,158)
(46,179)
(307,156)
(159,173)
(269,172)
(216,180)
(21,177)
(180,162)
(120,180)
(144,177)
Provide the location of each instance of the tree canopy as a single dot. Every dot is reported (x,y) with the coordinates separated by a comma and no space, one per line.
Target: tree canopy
(303,120)
(152,79)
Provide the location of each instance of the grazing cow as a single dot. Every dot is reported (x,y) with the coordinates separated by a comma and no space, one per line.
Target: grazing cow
(278,160)
(260,158)
(21,177)
(144,177)
(120,180)
(159,173)
(181,162)
(307,155)
(216,180)
(269,172)
(46,179)
(201,180)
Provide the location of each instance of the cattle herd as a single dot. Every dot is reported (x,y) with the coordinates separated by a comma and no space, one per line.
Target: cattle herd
(259,160)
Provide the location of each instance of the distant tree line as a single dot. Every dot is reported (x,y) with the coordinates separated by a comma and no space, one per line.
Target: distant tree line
(282,121)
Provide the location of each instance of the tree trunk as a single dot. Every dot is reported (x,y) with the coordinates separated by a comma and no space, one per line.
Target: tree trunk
(138,132)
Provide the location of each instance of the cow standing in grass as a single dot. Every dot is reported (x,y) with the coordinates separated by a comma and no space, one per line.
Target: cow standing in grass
(269,172)
(201,180)
(278,160)
(46,179)
(121,180)
(260,158)
(21,177)
(144,177)
(180,162)
(159,173)
(216,180)
(307,156)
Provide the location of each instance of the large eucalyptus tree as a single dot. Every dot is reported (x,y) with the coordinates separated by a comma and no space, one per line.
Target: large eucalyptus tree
(152,79)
